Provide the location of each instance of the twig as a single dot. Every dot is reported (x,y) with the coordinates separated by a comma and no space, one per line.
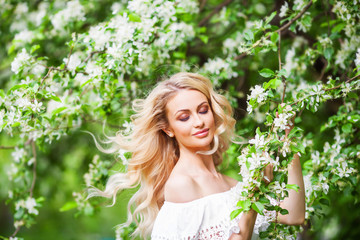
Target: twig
(92,54)
(7,147)
(68,60)
(33,146)
(295,18)
(338,86)
(329,89)
(43,79)
(282,77)
(216,10)
(285,26)
(15,232)
(202,4)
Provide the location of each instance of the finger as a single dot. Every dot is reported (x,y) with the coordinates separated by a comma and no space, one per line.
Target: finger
(271,172)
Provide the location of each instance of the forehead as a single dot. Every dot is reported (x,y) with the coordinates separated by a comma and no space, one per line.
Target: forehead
(186,100)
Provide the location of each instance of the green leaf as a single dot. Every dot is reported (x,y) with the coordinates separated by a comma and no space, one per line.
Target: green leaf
(249,35)
(68,206)
(204,38)
(258,207)
(268,19)
(347,128)
(58,110)
(328,52)
(55,98)
(338,27)
(2,94)
(15,124)
(235,213)
(267,73)
(284,211)
(34,48)
(325,201)
(180,55)
(273,83)
(16,87)
(274,37)
(293,187)
(134,17)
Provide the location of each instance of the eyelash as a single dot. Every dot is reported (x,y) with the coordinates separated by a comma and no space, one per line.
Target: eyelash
(185,119)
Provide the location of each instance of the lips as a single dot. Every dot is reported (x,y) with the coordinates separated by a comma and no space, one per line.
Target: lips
(202,133)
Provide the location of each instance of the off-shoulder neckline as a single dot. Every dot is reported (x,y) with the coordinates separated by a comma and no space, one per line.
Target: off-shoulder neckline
(201,198)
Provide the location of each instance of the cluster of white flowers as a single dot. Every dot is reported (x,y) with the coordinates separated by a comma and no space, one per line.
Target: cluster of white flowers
(325,41)
(74,61)
(258,93)
(259,141)
(18,154)
(74,11)
(282,121)
(341,11)
(96,169)
(347,48)
(284,9)
(357,59)
(215,66)
(21,61)
(29,204)
(25,36)
(119,231)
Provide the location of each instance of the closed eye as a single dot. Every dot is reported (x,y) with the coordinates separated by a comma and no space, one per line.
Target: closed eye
(184,119)
(204,110)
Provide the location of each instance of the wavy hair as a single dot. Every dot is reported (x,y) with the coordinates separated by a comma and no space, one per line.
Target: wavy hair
(154,153)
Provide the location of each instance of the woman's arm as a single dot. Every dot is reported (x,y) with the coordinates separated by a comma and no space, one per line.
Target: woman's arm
(246,225)
(295,203)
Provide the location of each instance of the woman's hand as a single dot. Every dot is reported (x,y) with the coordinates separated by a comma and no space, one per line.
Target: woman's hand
(268,173)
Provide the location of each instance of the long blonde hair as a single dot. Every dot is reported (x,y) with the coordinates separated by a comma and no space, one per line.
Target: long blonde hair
(154,153)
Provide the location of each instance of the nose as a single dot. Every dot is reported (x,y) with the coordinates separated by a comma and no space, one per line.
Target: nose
(198,121)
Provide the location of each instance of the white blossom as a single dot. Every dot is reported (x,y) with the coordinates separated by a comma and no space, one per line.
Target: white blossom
(22,59)
(258,93)
(357,60)
(283,10)
(74,11)
(25,36)
(36,106)
(282,121)
(29,204)
(258,141)
(19,223)
(216,65)
(18,154)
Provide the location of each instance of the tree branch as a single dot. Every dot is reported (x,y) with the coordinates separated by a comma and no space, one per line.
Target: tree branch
(33,146)
(7,147)
(338,86)
(295,18)
(285,26)
(329,89)
(282,77)
(216,10)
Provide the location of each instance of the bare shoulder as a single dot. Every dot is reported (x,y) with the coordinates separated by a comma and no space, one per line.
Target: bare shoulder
(232,182)
(180,188)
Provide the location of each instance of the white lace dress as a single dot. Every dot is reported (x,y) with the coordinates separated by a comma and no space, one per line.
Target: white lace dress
(204,218)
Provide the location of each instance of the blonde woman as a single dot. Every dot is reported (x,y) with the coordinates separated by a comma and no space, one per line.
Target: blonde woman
(180,132)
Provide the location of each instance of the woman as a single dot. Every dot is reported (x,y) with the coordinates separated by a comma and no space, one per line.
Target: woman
(180,132)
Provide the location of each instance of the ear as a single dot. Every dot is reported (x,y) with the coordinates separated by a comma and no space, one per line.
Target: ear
(168,132)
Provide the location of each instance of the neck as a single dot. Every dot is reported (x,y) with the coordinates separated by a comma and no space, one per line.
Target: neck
(198,162)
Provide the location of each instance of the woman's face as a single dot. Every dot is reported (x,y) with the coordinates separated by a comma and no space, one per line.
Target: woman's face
(191,120)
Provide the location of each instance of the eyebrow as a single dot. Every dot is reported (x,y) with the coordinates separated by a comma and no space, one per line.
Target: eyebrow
(185,110)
